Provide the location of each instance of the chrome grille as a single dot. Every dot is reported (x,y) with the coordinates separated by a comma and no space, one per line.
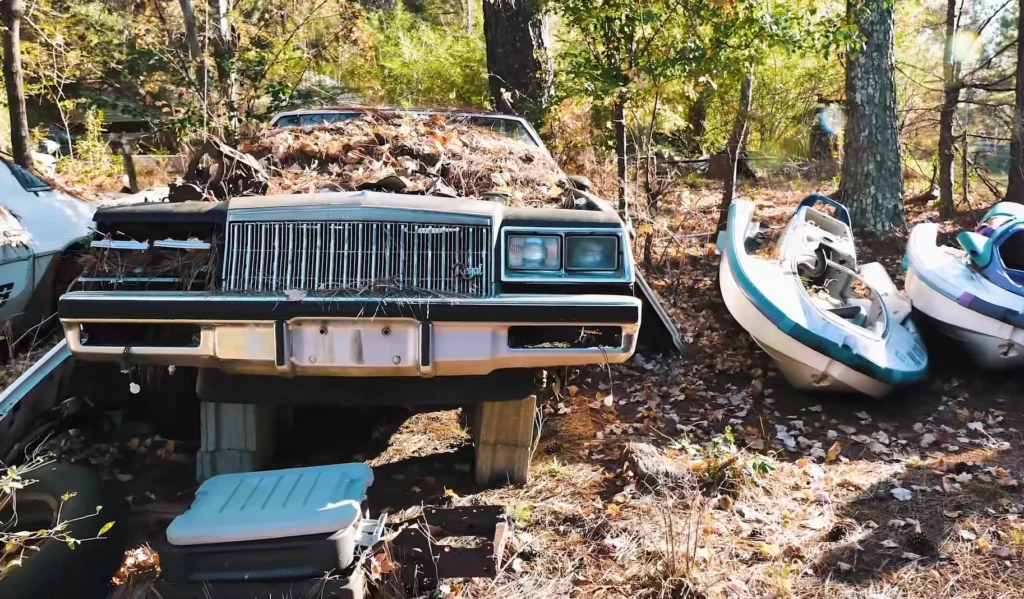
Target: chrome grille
(360,257)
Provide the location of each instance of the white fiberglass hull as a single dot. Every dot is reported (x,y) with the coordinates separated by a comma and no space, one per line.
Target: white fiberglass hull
(990,343)
(937,276)
(803,367)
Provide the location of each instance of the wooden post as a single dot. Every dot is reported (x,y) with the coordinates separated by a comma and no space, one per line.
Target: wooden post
(129,165)
(503,435)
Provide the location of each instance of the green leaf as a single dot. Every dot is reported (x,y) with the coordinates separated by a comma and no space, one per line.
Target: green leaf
(105,528)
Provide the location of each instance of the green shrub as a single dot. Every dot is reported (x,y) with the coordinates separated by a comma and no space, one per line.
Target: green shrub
(413,62)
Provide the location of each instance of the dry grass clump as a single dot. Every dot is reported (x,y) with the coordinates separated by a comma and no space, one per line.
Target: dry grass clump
(25,349)
(429,154)
(138,564)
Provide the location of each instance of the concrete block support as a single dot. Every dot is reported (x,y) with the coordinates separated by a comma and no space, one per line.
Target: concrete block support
(503,435)
(234,438)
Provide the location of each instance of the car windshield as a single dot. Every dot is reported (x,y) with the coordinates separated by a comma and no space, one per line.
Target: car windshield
(27,179)
(511,128)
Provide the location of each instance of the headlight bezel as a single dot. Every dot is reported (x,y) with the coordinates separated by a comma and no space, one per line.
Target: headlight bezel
(622,273)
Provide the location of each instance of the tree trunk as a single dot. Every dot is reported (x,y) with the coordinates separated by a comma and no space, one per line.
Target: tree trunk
(224,57)
(1015,187)
(621,152)
(734,146)
(965,161)
(872,179)
(697,122)
(385,5)
(519,66)
(12,13)
(950,99)
(188,12)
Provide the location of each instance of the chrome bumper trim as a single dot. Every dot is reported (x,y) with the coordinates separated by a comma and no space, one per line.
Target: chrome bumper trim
(368,345)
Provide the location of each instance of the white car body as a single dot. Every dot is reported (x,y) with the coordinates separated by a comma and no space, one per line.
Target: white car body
(42,224)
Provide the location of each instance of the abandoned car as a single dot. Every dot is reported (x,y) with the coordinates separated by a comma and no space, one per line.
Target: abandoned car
(40,231)
(384,294)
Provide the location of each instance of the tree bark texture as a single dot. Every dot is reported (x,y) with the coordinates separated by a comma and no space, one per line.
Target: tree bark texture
(224,55)
(734,146)
(519,65)
(697,122)
(950,99)
(621,151)
(195,50)
(1015,187)
(385,5)
(13,10)
(872,180)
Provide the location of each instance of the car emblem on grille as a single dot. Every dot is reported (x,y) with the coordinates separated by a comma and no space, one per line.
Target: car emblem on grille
(467,272)
(436,230)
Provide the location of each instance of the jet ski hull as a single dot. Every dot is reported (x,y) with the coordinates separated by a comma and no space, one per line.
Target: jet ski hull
(983,317)
(817,350)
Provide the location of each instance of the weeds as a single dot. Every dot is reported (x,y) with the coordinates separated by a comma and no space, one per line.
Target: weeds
(519,512)
(556,469)
(19,545)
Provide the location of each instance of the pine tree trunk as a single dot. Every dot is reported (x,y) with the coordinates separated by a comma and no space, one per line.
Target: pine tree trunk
(872,181)
(1015,187)
(519,66)
(734,146)
(13,10)
(188,13)
(621,152)
(697,122)
(224,57)
(385,5)
(950,99)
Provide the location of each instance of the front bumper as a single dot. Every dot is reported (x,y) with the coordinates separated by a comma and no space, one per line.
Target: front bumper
(347,336)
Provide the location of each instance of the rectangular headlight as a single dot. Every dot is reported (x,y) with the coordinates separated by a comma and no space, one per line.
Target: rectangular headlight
(591,252)
(534,252)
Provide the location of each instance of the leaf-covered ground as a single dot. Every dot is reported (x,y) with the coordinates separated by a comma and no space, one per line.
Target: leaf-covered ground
(791,494)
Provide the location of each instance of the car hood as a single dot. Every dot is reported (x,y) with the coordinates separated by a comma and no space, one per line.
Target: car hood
(247,207)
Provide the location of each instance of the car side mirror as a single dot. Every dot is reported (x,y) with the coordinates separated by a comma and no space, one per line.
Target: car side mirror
(580,183)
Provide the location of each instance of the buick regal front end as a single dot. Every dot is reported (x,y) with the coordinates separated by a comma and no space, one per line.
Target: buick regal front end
(354,284)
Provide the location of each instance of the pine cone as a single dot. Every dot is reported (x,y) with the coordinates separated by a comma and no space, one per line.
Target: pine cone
(838,533)
(963,468)
(920,544)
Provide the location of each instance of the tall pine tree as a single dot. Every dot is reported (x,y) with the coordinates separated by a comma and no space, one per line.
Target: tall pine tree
(519,65)
(872,179)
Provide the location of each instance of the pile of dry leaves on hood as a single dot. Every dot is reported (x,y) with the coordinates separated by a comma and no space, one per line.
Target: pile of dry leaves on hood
(435,154)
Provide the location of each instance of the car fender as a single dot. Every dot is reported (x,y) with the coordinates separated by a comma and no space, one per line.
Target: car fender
(54,220)
(16,280)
